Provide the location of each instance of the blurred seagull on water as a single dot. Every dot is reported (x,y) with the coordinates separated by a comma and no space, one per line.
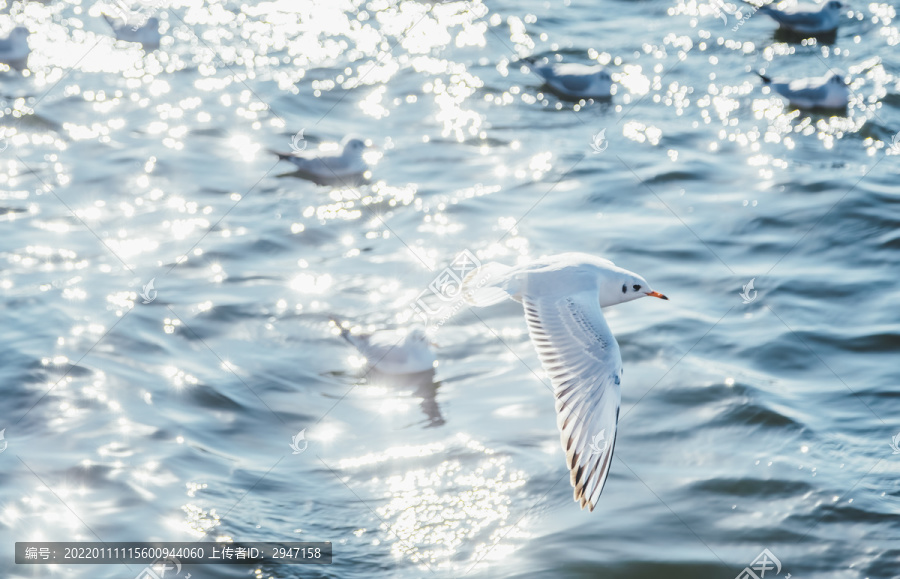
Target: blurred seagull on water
(393,351)
(136,28)
(578,81)
(826,92)
(344,167)
(807,18)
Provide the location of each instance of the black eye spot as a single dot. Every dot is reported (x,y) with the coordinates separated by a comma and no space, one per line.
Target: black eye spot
(636,287)
(624,288)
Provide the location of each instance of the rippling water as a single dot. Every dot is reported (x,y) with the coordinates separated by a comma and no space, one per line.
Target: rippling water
(744,426)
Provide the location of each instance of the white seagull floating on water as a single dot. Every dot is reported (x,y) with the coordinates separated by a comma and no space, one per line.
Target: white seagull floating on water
(575,80)
(346,166)
(14,49)
(393,351)
(563,296)
(825,92)
(136,28)
(807,18)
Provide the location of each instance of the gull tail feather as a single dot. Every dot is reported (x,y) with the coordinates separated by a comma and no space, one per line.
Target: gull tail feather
(485,285)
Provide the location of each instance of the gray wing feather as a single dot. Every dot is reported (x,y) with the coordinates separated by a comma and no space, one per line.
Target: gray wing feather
(581,356)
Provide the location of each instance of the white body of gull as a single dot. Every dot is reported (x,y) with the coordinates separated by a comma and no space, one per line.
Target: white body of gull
(346,166)
(575,80)
(807,18)
(14,49)
(826,92)
(563,296)
(393,351)
(136,28)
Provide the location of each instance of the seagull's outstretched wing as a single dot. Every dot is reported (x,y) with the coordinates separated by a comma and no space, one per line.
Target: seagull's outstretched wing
(581,356)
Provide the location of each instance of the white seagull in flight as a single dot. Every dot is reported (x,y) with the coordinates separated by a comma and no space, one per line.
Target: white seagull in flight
(563,296)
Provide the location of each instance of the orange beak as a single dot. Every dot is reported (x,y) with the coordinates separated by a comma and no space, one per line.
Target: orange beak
(657,295)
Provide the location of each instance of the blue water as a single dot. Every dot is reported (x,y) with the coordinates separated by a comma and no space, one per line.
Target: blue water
(744,426)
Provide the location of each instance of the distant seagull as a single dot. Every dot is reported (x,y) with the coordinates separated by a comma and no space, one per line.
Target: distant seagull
(807,18)
(393,351)
(563,296)
(826,92)
(136,28)
(344,167)
(578,81)
(14,48)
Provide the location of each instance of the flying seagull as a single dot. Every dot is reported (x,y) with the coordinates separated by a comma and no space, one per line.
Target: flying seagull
(563,296)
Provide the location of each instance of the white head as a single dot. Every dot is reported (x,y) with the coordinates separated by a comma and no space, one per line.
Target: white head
(353,147)
(620,286)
